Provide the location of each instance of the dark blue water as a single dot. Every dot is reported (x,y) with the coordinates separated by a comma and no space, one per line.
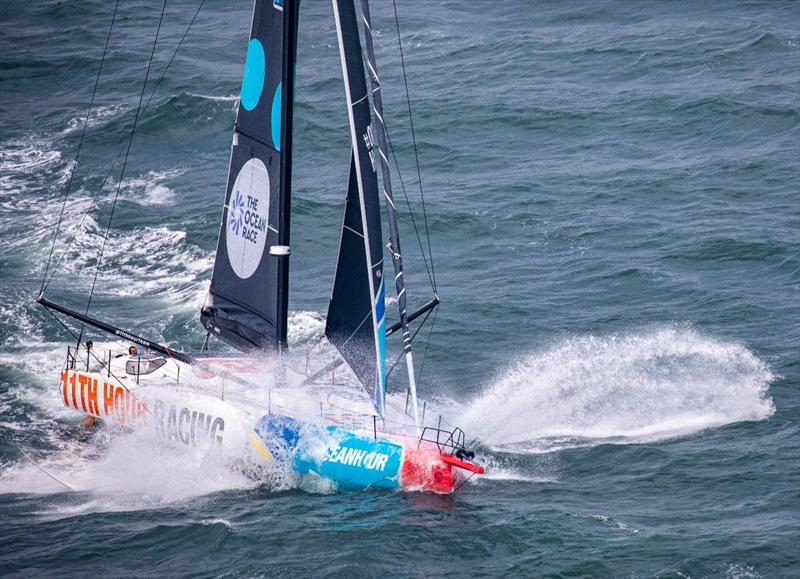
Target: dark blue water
(613,194)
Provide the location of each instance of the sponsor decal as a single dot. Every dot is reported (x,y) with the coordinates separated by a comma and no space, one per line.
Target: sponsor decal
(92,395)
(358,458)
(248,214)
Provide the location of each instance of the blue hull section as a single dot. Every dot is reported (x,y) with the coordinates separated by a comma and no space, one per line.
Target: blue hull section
(331,452)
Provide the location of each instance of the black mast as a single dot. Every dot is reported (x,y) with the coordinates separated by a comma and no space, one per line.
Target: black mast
(291,9)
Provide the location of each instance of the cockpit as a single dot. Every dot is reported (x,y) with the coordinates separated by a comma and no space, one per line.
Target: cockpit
(140,365)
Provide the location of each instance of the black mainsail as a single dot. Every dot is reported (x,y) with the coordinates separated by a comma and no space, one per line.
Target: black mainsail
(356,322)
(247,302)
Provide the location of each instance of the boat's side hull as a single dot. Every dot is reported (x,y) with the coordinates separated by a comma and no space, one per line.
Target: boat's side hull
(174,414)
(185,416)
(355,460)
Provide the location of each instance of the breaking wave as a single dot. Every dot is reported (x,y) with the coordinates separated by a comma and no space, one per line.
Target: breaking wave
(634,387)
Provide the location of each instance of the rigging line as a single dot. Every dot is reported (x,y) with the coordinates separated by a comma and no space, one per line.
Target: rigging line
(124,163)
(462,483)
(414,139)
(63,325)
(174,54)
(427,343)
(80,145)
(122,150)
(351,336)
(83,219)
(408,203)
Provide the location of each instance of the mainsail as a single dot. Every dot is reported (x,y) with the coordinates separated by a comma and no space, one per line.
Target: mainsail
(356,322)
(248,298)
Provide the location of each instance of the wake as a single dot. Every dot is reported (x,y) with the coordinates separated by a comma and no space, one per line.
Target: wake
(624,388)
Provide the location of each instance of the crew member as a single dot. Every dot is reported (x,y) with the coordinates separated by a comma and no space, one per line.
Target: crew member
(89,420)
(89,346)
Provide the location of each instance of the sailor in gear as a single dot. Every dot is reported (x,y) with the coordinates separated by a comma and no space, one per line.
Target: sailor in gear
(132,351)
(89,420)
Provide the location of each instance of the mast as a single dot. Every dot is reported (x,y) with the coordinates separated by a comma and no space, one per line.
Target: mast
(291,11)
(394,234)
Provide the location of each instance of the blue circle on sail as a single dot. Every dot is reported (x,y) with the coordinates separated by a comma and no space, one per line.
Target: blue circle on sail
(275,119)
(254,72)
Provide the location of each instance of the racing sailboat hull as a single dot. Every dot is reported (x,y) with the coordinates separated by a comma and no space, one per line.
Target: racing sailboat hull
(189,417)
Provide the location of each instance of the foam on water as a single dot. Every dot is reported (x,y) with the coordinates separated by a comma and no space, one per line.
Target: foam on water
(498,470)
(634,387)
(147,261)
(218,98)
(304,327)
(149,190)
(99,115)
(108,473)
(22,163)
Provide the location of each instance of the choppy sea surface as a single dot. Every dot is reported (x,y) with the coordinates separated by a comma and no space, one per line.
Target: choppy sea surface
(613,197)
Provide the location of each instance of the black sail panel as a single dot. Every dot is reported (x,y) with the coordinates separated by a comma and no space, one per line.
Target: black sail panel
(349,322)
(356,322)
(247,301)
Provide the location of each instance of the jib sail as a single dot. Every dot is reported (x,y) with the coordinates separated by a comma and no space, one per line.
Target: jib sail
(356,322)
(247,301)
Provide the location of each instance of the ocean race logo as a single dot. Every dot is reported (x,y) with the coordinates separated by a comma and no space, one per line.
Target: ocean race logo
(248,212)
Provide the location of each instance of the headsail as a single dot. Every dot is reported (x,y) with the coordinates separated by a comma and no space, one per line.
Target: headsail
(247,301)
(356,322)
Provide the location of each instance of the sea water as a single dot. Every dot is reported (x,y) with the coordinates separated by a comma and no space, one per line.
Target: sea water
(612,203)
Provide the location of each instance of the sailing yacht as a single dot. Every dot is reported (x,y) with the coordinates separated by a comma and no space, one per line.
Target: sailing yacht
(323,413)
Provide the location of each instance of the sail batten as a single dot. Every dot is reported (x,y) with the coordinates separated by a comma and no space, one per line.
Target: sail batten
(247,301)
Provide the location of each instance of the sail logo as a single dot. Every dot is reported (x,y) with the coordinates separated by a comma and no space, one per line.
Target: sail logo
(237,213)
(248,212)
